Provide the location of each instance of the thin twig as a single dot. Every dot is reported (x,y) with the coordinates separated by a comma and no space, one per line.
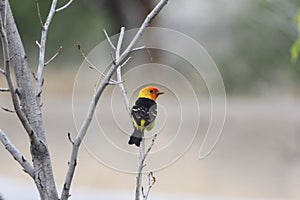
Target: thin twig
(150,182)
(138,48)
(120,41)
(42,50)
(125,62)
(64,7)
(70,139)
(109,41)
(2,71)
(8,110)
(142,48)
(39,12)
(119,71)
(92,107)
(115,82)
(150,147)
(54,56)
(91,65)
(38,44)
(16,154)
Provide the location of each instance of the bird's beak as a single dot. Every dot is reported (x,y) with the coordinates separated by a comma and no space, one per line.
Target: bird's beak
(159,93)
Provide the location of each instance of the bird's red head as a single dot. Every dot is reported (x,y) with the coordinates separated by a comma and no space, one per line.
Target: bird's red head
(150,92)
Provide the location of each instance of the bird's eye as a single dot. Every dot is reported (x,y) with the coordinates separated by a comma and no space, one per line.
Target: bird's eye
(151,91)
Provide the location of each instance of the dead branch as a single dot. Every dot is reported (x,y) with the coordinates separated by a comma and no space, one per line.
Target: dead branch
(30,113)
(39,12)
(54,56)
(92,107)
(119,71)
(91,65)
(8,110)
(64,7)
(70,139)
(142,48)
(38,44)
(142,157)
(108,39)
(42,45)
(16,154)
(150,182)
(125,62)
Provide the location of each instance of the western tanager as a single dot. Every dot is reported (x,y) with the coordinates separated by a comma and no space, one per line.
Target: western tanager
(144,113)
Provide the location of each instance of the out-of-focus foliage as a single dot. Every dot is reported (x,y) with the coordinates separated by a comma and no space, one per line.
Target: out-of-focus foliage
(81,22)
(262,36)
(250,41)
(295,49)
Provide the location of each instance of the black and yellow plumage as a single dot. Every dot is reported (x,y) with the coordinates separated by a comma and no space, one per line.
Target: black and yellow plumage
(144,113)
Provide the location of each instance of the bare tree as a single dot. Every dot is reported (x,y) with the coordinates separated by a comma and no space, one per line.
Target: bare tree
(26,99)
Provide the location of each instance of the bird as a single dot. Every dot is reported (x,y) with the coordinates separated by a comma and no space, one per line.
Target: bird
(143,113)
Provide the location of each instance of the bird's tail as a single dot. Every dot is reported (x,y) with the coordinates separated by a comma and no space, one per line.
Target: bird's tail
(136,137)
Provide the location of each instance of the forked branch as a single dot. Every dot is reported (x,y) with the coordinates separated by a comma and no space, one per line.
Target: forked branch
(42,44)
(92,107)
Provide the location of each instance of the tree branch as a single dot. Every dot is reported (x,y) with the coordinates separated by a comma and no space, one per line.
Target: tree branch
(39,12)
(54,56)
(42,49)
(64,7)
(16,154)
(42,46)
(91,110)
(119,71)
(145,24)
(142,157)
(8,110)
(29,113)
(91,65)
(108,39)
(150,182)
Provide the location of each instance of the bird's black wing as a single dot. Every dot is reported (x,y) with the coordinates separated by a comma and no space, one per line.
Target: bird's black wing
(144,109)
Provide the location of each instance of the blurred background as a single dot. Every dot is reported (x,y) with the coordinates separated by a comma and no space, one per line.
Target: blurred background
(258,155)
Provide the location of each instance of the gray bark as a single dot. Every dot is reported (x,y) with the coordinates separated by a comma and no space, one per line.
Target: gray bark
(43,174)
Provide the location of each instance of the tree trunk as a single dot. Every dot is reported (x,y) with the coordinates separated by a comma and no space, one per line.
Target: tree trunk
(43,178)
